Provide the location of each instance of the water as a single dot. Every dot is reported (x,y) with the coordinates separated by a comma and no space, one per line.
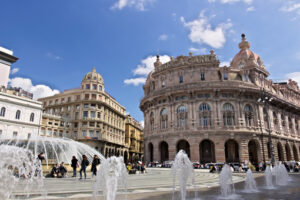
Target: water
(182,164)
(268,178)
(112,171)
(18,165)
(281,174)
(250,183)
(56,150)
(226,183)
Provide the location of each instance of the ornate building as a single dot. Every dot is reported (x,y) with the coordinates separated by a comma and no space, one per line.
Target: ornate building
(92,116)
(134,140)
(220,114)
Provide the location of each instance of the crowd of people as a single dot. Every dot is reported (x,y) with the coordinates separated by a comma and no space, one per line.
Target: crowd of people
(136,167)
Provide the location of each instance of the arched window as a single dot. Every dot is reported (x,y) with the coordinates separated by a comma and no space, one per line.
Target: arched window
(181,116)
(283,124)
(152,121)
(291,125)
(18,114)
(32,117)
(204,115)
(275,120)
(248,111)
(2,113)
(266,118)
(164,118)
(228,115)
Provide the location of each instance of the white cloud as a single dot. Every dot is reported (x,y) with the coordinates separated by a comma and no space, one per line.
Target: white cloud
(137,4)
(201,31)
(142,123)
(52,56)
(143,69)
(38,91)
(163,37)
(291,6)
(135,81)
(14,70)
(201,50)
(225,63)
(231,1)
(294,76)
(250,9)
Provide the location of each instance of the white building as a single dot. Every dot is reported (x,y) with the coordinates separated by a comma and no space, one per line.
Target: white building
(20,116)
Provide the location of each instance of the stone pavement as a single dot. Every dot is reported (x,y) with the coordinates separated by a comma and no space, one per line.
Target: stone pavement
(155,182)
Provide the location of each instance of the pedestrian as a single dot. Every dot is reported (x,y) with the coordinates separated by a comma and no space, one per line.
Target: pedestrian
(95,163)
(62,170)
(84,164)
(74,165)
(54,171)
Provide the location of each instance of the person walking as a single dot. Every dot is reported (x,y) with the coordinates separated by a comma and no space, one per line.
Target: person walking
(95,163)
(74,165)
(84,164)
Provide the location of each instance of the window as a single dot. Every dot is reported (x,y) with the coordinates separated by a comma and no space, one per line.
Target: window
(68,108)
(152,121)
(87,86)
(76,115)
(55,133)
(78,97)
(18,114)
(180,79)
(69,99)
(83,133)
(93,114)
(181,116)
(49,133)
(91,133)
(2,112)
(204,115)
(100,88)
(228,115)
(29,136)
(283,121)
(15,134)
(86,105)
(32,117)
(225,76)
(291,125)
(202,76)
(164,118)
(98,115)
(86,96)
(248,112)
(75,125)
(275,120)
(85,114)
(94,87)
(163,83)
(62,100)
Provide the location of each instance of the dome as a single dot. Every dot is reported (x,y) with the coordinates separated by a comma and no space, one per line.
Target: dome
(246,57)
(93,76)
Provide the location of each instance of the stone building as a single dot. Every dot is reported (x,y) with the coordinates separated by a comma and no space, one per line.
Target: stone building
(94,117)
(220,114)
(54,126)
(20,116)
(134,140)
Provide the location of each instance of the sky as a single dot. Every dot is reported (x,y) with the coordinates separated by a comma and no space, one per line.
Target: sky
(59,41)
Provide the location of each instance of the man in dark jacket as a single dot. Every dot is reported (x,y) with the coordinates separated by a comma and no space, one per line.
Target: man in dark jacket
(95,163)
(84,164)
(74,165)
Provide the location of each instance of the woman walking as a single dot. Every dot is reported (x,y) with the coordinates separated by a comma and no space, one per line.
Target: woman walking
(95,163)
(74,165)
(84,164)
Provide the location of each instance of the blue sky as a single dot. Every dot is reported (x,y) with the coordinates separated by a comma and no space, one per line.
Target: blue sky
(57,41)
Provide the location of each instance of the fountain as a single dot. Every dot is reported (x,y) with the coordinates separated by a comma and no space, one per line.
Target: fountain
(250,184)
(55,149)
(18,165)
(111,171)
(268,178)
(182,163)
(281,174)
(226,183)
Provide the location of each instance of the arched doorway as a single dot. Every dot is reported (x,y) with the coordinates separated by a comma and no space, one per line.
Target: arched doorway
(150,150)
(164,151)
(184,145)
(296,157)
(232,151)
(253,150)
(288,152)
(280,152)
(207,152)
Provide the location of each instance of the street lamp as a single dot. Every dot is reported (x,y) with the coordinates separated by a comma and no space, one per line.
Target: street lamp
(265,99)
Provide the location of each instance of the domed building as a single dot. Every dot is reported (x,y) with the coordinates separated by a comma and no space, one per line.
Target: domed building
(220,114)
(87,114)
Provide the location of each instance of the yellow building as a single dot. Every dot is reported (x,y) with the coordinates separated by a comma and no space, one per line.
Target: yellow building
(94,117)
(134,140)
(54,126)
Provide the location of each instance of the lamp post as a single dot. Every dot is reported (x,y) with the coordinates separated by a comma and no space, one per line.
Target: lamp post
(265,99)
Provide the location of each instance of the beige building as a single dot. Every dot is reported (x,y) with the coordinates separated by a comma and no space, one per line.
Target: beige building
(134,140)
(93,116)
(220,114)
(54,126)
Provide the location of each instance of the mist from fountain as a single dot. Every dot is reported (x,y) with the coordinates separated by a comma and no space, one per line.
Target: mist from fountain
(281,174)
(250,183)
(18,165)
(184,166)
(55,149)
(226,183)
(268,178)
(112,171)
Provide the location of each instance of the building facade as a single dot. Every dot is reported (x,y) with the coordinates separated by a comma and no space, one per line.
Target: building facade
(20,116)
(134,140)
(91,114)
(220,114)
